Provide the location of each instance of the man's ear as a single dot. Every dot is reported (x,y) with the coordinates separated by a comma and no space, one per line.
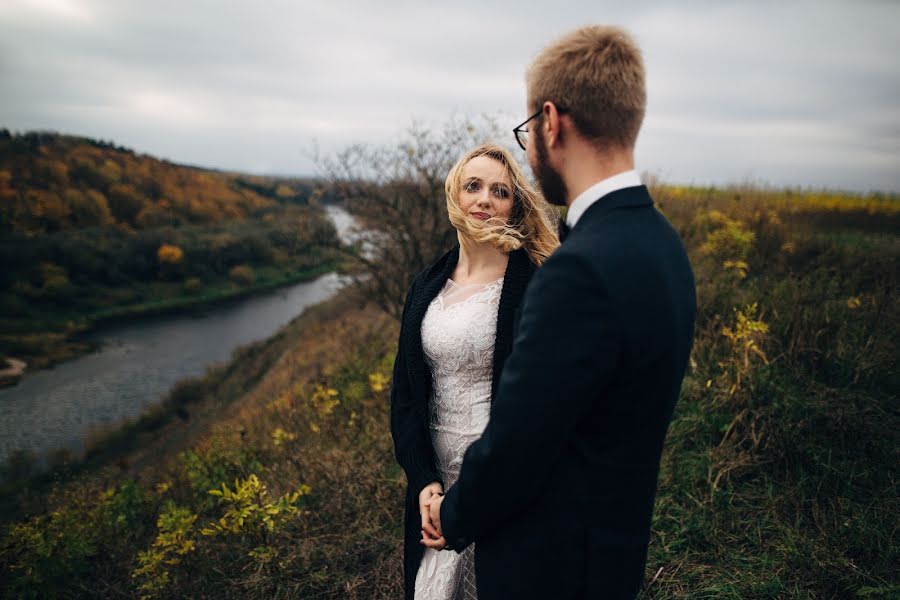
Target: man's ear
(552,125)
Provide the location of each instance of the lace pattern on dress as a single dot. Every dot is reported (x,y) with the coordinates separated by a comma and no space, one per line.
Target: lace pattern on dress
(458,335)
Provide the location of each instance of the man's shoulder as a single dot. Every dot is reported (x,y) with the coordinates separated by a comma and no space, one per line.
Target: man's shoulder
(570,261)
(592,246)
(631,221)
(617,241)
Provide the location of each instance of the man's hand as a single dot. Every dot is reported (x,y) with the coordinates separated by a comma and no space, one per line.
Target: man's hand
(430,491)
(431,540)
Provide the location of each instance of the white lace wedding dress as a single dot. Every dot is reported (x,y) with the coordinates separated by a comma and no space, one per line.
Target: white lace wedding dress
(458,334)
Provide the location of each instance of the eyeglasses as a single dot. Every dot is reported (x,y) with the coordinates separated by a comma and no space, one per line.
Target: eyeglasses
(522,131)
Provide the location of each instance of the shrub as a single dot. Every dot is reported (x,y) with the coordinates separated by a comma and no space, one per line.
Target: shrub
(47,553)
(242,275)
(167,254)
(192,286)
(174,540)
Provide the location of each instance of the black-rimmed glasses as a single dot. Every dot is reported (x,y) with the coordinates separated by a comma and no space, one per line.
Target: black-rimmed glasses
(522,131)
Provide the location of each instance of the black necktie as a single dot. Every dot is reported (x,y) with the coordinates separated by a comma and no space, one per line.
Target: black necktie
(563,230)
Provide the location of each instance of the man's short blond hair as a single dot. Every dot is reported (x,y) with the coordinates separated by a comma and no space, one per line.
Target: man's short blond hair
(596,74)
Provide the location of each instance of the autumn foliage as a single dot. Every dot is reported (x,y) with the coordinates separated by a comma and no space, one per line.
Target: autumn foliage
(50,182)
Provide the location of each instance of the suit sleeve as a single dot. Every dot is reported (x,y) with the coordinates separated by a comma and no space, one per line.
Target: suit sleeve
(412,443)
(565,353)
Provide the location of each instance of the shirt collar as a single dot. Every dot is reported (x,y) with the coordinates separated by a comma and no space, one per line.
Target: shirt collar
(619,181)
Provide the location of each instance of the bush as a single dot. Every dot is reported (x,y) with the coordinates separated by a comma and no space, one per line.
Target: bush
(193,286)
(43,556)
(242,275)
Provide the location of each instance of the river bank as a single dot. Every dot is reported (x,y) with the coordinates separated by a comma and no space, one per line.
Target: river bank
(45,336)
(70,340)
(224,426)
(142,356)
(130,445)
(62,411)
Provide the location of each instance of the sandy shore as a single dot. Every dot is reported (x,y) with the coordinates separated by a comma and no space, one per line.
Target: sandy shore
(13,371)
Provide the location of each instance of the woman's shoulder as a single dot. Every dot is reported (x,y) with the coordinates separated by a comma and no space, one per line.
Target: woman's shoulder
(438,267)
(518,276)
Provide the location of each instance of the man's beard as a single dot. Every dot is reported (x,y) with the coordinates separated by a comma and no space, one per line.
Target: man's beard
(552,185)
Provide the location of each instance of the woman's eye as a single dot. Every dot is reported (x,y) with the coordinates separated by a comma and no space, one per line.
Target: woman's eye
(501,192)
(472,186)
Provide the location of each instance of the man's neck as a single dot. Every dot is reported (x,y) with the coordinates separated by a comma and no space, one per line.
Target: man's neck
(589,168)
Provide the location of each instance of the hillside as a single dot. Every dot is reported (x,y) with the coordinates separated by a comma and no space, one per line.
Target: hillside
(779,475)
(51,182)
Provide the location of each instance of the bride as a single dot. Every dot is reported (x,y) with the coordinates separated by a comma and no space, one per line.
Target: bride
(456,332)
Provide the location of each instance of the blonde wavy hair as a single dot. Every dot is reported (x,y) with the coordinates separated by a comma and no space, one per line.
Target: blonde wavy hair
(531,223)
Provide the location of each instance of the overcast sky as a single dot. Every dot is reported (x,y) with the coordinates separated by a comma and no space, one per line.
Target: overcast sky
(787,93)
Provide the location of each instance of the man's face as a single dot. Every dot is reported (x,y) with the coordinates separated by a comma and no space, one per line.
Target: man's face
(552,184)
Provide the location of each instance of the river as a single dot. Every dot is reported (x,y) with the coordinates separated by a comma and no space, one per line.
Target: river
(139,362)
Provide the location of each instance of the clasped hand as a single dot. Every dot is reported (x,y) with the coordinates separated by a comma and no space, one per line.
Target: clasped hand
(430,500)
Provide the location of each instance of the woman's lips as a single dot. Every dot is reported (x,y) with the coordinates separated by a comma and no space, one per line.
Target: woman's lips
(482,216)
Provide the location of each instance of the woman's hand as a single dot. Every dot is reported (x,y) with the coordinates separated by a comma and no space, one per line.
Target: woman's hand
(435,509)
(425,496)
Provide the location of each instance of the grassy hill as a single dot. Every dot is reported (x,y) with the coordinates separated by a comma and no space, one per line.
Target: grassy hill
(779,476)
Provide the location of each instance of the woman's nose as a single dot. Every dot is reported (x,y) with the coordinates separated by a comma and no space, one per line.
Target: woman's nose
(484,199)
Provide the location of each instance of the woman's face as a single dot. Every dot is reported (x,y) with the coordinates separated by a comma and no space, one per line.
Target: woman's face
(487,190)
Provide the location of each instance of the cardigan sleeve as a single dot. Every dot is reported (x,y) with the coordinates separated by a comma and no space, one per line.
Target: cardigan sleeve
(409,430)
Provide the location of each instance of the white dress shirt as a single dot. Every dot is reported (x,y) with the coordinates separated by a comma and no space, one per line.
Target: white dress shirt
(619,181)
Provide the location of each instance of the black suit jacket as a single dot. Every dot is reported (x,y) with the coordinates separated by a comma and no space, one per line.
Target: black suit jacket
(411,386)
(558,492)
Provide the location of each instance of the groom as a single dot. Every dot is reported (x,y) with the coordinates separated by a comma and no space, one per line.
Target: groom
(558,492)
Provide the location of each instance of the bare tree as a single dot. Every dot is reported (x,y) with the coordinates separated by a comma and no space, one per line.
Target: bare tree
(396,193)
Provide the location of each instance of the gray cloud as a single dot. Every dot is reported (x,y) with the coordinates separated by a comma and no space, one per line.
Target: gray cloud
(802,93)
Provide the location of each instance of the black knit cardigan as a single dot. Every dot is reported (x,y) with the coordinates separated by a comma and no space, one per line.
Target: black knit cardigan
(411,386)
